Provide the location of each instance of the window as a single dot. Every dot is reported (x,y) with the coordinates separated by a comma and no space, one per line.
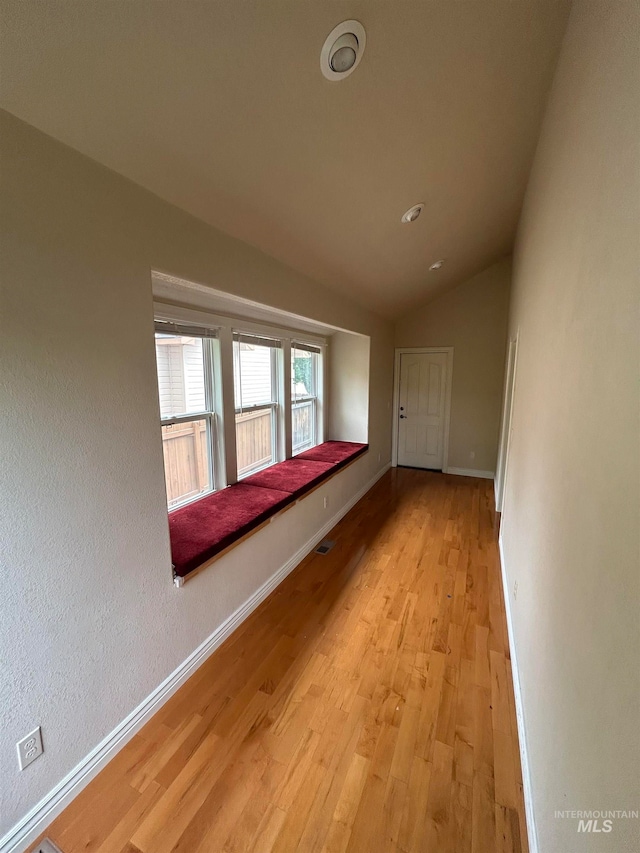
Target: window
(255,373)
(184,359)
(211,437)
(304,396)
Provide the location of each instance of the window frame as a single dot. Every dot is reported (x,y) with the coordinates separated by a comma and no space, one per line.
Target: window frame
(218,335)
(209,414)
(315,399)
(275,405)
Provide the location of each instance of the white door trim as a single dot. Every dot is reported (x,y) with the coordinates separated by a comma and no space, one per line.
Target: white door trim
(448,351)
(507,415)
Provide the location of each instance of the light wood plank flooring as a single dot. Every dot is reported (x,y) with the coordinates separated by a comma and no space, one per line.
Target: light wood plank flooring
(366,706)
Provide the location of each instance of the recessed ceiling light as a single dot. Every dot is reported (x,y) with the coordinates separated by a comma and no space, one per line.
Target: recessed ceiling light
(342,51)
(436,266)
(413,213)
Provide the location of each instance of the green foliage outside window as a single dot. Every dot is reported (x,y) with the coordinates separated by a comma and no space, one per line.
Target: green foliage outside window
(302,372)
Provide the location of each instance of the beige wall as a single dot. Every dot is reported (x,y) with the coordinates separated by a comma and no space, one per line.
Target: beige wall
(570,519)
(90,623)
(472,318)
(349,387)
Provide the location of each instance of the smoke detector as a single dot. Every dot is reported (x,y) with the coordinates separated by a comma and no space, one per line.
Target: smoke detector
(342,51)
(438,265)
(413,213)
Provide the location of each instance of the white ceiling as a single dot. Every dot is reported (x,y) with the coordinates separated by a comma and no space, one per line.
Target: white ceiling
(220,108)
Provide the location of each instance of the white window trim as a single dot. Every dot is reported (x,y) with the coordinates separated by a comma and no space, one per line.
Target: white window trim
(316,399)
(208,415)
(274,405)
(223,451)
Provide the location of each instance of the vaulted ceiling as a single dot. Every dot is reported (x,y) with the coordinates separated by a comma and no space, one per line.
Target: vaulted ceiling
(220,108)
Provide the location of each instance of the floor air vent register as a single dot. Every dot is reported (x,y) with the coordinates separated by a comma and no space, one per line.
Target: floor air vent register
(325,546)
(46,846)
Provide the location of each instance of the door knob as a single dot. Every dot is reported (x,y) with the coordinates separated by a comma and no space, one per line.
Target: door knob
(403,416)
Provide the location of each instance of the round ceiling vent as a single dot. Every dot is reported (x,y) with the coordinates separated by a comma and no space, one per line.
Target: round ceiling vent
(342,50)
(413,213)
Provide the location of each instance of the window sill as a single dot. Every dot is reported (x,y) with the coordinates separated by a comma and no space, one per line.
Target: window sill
(206,529)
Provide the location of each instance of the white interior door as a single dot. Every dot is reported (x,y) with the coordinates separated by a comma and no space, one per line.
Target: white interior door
(421,415)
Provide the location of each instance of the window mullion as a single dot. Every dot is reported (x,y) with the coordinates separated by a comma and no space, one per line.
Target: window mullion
(210,402)
(211,444)
(286,415)
(321,396)
(228,405)
(208,375)
(314,422)
(276,427)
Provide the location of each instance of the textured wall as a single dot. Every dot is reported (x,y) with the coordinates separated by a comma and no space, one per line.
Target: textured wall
(349,371)
(90,623)
(472,318)
(570,519)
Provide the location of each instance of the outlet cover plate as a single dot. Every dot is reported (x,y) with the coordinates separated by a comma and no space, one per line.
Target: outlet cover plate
(29,748)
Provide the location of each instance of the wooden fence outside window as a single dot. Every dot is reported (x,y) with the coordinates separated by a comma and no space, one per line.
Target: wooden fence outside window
(185,449)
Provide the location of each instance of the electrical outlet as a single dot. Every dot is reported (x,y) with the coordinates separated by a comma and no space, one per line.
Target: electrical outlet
(515,590)
(325,502)
(472,455)
(47,846)
(29,748)
(379,456)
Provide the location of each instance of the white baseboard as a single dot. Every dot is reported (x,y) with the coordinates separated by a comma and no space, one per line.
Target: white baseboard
(24,833)
(471,472)
(524,757)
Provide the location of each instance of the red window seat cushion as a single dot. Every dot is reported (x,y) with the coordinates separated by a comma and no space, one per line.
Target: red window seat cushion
(295,476)
(205,527)
(338,452)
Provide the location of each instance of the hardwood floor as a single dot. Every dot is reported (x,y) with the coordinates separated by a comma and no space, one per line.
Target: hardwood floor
(366,706)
